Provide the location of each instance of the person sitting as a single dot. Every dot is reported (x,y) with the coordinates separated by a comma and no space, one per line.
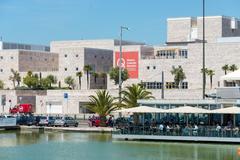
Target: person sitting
(195,130)
(161,128)
(218,130)
(168,129)
(235,131)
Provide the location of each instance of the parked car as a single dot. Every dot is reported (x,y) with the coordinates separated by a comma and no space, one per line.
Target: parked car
(65,121)
(46,121)
(21,108)
(32,120)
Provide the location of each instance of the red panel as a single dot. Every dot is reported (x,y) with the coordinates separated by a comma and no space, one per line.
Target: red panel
(129,61)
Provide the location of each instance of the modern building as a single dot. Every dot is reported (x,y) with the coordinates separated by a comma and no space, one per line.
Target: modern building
(24,61)
(145,64)
(11,45)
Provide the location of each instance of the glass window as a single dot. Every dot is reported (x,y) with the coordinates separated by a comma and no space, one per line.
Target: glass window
(65,69)
(76,68)
(154,67)
(76,55)
(65,55)
(148,67)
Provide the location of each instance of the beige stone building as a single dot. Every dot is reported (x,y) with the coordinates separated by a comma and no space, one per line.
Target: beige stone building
(144,63)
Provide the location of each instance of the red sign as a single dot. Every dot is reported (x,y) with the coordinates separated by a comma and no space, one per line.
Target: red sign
(129,61)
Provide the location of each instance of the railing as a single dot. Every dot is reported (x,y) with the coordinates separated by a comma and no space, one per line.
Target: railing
(201,131)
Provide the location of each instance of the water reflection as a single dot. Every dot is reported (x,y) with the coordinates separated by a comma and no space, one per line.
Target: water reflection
(93,146)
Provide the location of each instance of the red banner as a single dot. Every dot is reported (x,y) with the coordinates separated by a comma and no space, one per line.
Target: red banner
(129,61)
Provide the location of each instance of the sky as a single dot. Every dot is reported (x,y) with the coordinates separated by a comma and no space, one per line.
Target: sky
(42,21)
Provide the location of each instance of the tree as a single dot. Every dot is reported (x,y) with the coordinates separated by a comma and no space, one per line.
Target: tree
(1,84)
(79,75)
(225,68)
(104,76)
(233,68)
(87,69)
(210,73)
(15,77)
(69,81)
(102,104)
(114,75)
(179,75)
(95,75)
(31,80)
(51,79)
(134,92)
(45,83)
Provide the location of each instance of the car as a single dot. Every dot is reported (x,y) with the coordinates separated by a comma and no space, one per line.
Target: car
(46,121)
(65,121)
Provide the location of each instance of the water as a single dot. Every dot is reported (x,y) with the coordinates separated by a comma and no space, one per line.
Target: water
(32,145)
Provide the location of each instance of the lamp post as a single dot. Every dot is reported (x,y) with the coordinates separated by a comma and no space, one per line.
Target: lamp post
(120,63)
(204,74)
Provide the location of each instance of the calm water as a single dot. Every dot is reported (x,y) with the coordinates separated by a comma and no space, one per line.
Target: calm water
(32,145)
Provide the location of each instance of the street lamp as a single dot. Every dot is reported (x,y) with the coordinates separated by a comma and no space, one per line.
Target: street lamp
(204,73)
(120,62)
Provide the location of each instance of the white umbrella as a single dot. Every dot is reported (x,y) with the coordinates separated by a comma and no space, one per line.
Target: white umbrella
(233,76)
(228,110)
(188,109)
(141,109)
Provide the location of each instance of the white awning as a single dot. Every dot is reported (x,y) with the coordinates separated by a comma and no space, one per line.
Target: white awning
(140,109)
(233,76)
(188,109)
(228,110)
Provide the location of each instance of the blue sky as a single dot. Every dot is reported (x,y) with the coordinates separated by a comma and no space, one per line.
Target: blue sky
(41,21)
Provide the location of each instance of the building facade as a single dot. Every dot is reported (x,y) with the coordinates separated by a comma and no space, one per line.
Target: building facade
(145,64)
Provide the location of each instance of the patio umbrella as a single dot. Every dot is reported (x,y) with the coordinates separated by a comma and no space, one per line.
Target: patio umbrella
(188,109)
(140,109)
(228,110)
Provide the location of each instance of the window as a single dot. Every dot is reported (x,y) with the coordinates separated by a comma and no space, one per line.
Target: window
(172,85)
(184,85)
(148,67)
(95,56)
(154,67)
(1,57)
(11,57)
(65,69)
(31,58)
(65,55)
(1,70)
(183,53)
(76,55)
(45,59)
(76,68)
(152,85)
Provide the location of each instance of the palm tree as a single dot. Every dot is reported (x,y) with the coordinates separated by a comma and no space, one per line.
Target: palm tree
(69,81)
(179,75)
(103,75)
(88,69)
(79,75)
(225,68)
(233,68)
(52,80)
(210,73)
(102,104)
(133,93)
(96,75)
(15,77)
(1,84)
